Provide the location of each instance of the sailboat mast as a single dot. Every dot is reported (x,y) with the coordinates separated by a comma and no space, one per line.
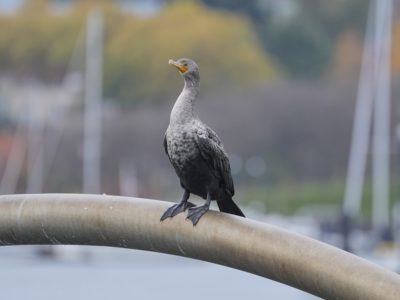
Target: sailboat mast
(361,127)
(381,133)
(373,96)
(93,97)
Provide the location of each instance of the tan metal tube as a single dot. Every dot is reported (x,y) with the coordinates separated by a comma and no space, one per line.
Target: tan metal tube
(224,239)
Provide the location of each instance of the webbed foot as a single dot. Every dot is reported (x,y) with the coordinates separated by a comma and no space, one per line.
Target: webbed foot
(176,209)
(196,213)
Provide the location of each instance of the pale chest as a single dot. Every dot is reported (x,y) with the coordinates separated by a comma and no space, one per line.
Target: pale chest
(181,145)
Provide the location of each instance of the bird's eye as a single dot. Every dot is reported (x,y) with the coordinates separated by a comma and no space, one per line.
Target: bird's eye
(185,64)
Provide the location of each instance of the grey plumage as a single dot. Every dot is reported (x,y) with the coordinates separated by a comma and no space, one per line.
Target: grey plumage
(196,152)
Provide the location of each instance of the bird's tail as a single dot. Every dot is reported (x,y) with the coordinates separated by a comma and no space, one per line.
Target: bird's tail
(228,206)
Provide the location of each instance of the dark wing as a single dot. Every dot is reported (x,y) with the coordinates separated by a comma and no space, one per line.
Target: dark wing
(212,151)
(166,149)
(165,144)
(214,137)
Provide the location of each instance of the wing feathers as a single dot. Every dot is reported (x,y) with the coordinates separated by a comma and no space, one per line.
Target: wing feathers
(213,153)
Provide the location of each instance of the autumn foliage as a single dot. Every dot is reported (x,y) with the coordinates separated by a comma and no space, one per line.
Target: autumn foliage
(38,42)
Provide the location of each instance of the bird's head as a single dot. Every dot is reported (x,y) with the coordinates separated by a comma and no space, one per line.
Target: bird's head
(187,67)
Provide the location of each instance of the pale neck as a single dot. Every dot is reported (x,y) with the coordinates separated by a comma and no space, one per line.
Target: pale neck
(183,110)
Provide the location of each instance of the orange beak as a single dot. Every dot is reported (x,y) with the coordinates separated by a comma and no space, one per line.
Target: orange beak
(181,68)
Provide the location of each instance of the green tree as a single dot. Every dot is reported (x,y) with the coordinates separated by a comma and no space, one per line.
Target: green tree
(312,31)
(137,49)
(254,9)
(231,55)
(302,48)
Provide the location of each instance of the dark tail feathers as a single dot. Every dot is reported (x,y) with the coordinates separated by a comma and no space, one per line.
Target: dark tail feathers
(228,206)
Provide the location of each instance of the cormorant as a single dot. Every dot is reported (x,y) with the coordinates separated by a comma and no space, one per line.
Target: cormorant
(196,153)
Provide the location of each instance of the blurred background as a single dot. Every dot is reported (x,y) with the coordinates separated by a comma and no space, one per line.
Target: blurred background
(85,98)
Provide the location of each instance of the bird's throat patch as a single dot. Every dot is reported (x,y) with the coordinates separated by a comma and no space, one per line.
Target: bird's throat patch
(182,69)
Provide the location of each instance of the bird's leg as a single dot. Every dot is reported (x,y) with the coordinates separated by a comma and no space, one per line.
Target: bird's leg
(196,213)
(178,208)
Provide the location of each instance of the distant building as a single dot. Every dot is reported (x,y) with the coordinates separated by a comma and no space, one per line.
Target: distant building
(24,101)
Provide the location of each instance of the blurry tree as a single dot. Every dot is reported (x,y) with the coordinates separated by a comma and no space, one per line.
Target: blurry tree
(224,46)
(302,43)
(302,48)
(335,17)
(137,49)
(396,47)
(347,55)
(305,44)
(349,46)
(37,43)
(37,6)
(255,9)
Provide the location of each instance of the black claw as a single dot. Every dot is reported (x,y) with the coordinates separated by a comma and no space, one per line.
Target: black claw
(196,213)
(176,209)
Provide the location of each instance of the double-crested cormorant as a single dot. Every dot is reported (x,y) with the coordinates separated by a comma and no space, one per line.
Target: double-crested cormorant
(196,153)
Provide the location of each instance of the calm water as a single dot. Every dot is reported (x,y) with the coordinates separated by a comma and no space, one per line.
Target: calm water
(106,273)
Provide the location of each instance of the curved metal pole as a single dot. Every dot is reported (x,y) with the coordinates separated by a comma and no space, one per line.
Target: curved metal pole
(220,238)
